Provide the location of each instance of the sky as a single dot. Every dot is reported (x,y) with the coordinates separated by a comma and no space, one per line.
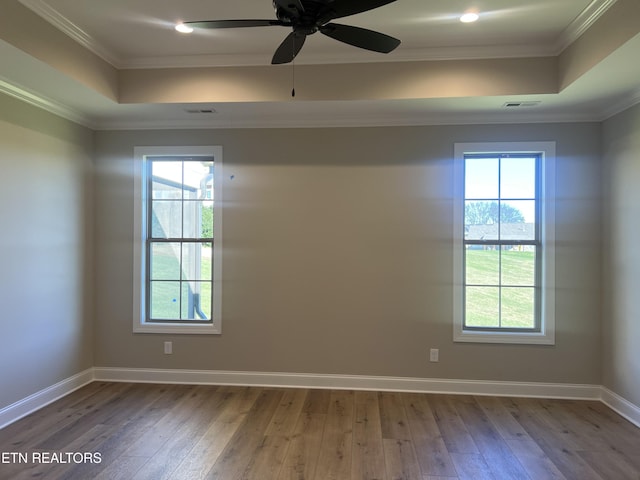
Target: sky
(510,179)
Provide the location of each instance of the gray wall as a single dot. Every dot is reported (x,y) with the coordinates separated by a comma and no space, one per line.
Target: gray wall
(338,255)
(621,314)
(45,257)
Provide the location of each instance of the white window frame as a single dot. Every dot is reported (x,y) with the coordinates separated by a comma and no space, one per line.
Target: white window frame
(546,336)
(140,324)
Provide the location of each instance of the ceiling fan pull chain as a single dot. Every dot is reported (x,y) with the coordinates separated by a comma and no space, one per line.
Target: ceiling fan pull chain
(293,71)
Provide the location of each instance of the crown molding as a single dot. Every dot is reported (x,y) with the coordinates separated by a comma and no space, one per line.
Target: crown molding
(51,106)
(618,107)
(582,23)
(70,29)
(355,121)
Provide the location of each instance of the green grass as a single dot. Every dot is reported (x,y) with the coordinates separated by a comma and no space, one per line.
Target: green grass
(488,305)
(167,289)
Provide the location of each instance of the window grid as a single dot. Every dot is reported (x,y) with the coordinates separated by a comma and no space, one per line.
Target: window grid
(152,240)
(499,244)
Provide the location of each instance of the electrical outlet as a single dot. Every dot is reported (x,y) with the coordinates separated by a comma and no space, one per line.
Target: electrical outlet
(168,348)
(434,355)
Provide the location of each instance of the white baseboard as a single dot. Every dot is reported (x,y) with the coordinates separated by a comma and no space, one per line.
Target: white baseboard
(48,395)
(350,382)
(621,405)
(30,404)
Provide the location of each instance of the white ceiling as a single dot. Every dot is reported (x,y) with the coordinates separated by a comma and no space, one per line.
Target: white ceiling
(133,34)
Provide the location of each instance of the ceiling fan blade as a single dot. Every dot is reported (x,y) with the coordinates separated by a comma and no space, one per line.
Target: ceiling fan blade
(360,37)
(236,23)
(289,48)
(344,8)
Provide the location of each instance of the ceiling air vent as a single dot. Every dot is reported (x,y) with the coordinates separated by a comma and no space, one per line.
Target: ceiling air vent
(533,103)
(201,110)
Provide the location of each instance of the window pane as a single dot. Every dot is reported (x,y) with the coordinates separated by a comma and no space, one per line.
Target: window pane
(482,307)
(519,265)
(196,261)
(517,220)
(502,242)
(198,219)
(198,179)
(518,307)
(196,300)
(518,178)
(166,180)
(206,213)
(482,266)
(165,300)
(481,220)
(166,219)
(178,199)
(481,178)
(206,298)
(165,261)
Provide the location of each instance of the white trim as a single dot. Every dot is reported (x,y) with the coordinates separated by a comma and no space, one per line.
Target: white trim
(621,405)
(139,222)
(38,400)
(37,100)
(582,23)
(629,101)
(66,26)
(44,397)
(357,121)
(548,150)
(349,382)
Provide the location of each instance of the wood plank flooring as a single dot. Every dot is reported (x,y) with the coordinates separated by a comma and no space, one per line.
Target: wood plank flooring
(189,432)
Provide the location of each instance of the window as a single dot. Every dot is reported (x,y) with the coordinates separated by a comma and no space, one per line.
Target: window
(177,256)
(504,243)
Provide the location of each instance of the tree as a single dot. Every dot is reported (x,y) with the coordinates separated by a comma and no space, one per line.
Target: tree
(207,221)
(483,213)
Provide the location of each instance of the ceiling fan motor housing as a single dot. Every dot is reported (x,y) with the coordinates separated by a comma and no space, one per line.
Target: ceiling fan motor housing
(285,11)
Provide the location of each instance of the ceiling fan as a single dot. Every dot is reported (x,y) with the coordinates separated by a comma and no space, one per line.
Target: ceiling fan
(307,17)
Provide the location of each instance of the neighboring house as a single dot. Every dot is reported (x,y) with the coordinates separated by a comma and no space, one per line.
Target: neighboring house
(508,231)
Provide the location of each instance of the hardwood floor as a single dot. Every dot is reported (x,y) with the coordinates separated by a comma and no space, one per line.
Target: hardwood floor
(141,431)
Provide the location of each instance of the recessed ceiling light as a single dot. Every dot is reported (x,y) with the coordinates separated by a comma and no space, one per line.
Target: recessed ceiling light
(182,28)
(469,17)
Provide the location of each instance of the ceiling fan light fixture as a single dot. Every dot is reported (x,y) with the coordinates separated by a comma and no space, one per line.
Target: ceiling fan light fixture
(469,17)
(182,28)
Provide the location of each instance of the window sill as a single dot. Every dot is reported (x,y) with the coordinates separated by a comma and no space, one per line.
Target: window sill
(505,337)
(177,328)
